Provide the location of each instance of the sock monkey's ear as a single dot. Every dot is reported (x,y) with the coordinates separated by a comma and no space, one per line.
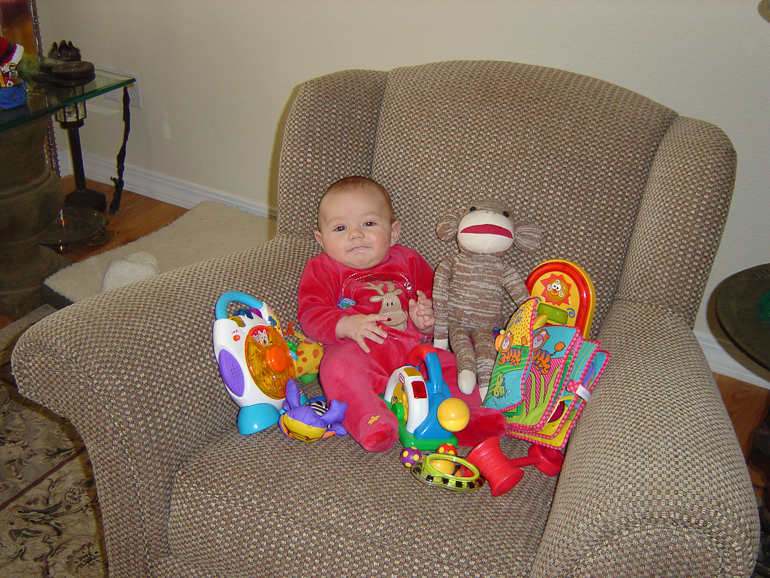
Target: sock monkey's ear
(528,236)
(446,229)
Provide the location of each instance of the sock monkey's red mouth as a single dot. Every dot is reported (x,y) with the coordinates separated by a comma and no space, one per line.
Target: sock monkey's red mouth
(488,229)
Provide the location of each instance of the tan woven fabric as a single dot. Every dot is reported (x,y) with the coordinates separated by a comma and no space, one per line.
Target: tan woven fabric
(654,482)
(329,134)
(336,512)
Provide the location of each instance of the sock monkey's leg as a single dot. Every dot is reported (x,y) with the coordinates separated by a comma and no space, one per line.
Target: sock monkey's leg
(460,342)
(484,347)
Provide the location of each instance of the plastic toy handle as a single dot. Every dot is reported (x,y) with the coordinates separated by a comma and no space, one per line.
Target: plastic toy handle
(427,354)
(220,310)
(419,353)
(547,460)
(501,474)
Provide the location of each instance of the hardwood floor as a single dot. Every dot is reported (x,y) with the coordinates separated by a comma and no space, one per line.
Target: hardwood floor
(746,404)
(138,216)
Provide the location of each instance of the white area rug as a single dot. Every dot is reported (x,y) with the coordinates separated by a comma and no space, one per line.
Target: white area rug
(206,231)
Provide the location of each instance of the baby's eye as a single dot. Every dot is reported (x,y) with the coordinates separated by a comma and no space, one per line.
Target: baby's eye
(369,224)
(339,228)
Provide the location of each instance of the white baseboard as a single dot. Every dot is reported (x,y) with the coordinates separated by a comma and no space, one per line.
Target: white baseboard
(725,359)
(156,186)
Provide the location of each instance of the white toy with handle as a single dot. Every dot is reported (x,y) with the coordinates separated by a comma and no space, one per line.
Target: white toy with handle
(254,360)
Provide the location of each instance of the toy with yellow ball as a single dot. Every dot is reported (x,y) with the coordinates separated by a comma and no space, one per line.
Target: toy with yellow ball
(443,469)
(427,413)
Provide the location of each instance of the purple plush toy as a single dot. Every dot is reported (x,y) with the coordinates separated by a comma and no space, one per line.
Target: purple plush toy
(309,423)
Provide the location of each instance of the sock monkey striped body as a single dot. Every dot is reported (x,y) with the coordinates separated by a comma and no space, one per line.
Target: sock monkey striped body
(468,286)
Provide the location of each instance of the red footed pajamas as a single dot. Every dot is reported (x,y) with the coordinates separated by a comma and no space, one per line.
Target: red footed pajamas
(328,291)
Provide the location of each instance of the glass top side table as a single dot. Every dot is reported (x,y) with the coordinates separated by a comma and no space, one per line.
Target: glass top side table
(31,194)
(45,100)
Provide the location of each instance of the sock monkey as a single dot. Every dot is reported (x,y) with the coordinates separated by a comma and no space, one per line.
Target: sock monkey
(468,286)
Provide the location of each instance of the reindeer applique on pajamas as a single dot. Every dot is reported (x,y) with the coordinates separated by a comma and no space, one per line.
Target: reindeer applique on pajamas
(328,291)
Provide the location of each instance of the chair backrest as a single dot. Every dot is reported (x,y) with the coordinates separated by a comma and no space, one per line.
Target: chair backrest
(569,152)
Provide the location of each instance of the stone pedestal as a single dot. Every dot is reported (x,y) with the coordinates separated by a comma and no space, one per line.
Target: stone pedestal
(30,197)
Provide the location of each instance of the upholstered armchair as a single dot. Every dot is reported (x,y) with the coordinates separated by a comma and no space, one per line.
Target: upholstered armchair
(654,482)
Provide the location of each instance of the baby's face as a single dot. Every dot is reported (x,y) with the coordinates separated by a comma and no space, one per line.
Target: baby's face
(356,227)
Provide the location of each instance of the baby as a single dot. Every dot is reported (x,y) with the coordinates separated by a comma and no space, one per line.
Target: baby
(367,300)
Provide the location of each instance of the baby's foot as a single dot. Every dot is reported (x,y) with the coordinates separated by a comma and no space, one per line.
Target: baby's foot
(378,432)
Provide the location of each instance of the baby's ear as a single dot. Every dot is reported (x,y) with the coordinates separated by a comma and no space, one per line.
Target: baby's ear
(395,231)
(319,238)
(446,229)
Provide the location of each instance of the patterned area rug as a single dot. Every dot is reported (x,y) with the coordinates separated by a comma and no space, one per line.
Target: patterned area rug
(49,515)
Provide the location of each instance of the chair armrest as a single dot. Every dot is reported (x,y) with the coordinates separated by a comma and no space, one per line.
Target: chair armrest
(654,481)
(680,219)
(134,371)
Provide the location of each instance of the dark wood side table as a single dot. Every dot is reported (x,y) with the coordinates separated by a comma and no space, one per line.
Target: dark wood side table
(30,193)
(743,311)
(741,302)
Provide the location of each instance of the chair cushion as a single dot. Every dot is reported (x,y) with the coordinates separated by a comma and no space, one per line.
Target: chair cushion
(331,509)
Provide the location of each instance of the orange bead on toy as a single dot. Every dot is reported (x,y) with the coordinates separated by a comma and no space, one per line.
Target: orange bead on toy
(447,448)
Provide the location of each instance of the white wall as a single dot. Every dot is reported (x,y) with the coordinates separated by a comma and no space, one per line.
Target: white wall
(216,77)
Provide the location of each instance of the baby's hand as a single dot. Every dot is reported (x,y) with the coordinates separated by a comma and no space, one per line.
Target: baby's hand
(361,327)
(421,313)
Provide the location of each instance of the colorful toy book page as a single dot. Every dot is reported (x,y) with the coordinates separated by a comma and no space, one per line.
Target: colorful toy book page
(583,375)
(513,358)
(553,349)
(543,376)
(557,430)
